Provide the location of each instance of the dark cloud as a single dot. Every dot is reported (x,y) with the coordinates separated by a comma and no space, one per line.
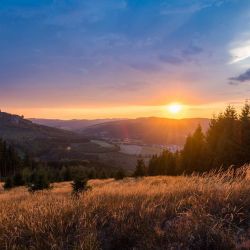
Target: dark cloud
(170,59)
(128,86)
(192,50)
(244,77)
(184,55)
(144,66)
(233,83)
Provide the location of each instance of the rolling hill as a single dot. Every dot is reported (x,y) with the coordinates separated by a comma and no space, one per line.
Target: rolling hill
(53,144)
(151,130)
(14,127)
(38,140)
(72,125)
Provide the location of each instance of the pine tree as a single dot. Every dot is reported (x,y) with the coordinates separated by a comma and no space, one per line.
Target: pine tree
(223,139)
(153,166)
(193,155)
(10,162)
(120,174)
(140,169)
(245,134)
(27,161)
(66,174)
(103,175)
(1,159)
(164,164)
(39,180)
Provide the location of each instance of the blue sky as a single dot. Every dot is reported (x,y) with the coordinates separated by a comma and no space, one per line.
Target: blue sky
(89,55)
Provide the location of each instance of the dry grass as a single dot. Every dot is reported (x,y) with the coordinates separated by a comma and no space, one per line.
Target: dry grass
(210,212)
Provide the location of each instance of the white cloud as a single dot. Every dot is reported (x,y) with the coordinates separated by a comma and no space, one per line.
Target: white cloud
(240,51)
(191,7)
(185,9)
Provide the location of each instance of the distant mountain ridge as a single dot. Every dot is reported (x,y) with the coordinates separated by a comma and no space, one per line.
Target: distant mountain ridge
(72,125)
(152,130)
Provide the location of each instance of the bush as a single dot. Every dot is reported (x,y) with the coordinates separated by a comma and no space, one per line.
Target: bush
(38,181)
(66,174)
(103,175)
(120,174)
(8,183)
(18,180)
(91,174)
(26,173)
(79,185)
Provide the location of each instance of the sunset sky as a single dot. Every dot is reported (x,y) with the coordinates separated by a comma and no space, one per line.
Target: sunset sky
(123,58)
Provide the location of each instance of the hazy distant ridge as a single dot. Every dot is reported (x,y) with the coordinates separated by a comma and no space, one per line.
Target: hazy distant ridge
(73,125)
(150,130)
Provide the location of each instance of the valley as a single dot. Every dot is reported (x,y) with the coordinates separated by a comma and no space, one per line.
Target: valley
(111,142)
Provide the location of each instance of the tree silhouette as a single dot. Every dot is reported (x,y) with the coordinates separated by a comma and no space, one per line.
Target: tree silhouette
(39,180)
(79,185)
(245,134)
(223,139)
(194,153)
(140,169)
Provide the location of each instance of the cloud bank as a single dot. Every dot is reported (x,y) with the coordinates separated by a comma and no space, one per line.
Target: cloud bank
(244,77)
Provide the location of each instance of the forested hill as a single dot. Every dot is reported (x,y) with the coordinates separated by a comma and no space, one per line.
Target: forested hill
(149,130)
(27,136)
(16,127)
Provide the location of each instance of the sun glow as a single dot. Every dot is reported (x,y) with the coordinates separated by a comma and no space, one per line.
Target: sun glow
(174,108)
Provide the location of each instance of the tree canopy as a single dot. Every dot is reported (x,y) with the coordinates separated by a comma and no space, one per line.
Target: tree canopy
(225,144)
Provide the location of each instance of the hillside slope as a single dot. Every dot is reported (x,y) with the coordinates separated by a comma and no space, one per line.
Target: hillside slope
(36,139)
(16,127)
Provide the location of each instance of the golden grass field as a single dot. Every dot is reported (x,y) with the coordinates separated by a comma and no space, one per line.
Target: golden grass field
(208,212)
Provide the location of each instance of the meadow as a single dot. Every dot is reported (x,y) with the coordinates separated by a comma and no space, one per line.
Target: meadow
(211,211)
(140,150)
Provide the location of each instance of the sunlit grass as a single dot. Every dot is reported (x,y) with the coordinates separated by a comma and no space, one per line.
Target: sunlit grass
(209,212)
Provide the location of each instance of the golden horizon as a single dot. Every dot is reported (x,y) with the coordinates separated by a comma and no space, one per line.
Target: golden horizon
(176,110)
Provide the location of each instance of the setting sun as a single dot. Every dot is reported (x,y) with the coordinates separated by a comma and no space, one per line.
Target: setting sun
(174,108)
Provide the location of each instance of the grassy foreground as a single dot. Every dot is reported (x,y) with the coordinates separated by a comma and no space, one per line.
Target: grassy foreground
(210,212)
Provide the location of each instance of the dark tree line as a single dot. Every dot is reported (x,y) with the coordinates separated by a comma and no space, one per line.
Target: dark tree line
(36,175)
(10,162)
(225,144)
